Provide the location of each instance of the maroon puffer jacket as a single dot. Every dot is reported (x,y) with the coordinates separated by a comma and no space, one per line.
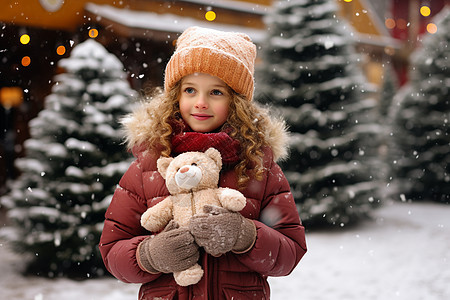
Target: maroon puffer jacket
(279,246)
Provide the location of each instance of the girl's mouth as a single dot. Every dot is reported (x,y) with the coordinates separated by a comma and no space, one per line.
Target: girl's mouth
(201,117)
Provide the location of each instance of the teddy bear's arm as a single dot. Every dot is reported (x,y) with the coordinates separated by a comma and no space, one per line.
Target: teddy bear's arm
(231,199)
(158,216)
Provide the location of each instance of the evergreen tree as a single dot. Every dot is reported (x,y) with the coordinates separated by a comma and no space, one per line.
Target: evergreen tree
(388,90)
(387,149)
(311,74)
(422,130)
(74,160)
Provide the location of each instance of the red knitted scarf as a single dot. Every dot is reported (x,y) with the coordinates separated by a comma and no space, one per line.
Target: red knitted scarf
(195,141)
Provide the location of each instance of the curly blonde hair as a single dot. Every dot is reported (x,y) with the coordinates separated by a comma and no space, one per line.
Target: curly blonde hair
(248,122)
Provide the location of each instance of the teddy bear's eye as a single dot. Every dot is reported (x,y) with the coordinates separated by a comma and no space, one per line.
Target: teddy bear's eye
(193,164)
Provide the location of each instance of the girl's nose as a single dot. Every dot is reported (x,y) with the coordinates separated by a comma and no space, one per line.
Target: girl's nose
(201,102)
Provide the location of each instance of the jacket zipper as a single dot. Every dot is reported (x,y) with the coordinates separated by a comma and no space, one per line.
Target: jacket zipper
(207,269)
(214,284)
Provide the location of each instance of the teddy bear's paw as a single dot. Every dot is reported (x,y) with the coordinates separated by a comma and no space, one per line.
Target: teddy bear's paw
(189,276)
(156,217)
(232,199)
(151,222)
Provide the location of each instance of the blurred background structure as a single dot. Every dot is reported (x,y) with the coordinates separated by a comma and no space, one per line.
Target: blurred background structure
(35,35)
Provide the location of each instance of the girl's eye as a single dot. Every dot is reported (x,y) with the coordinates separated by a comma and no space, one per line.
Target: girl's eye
(216,93)
(189,90)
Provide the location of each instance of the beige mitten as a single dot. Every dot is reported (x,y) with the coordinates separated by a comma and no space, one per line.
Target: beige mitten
(219,231)
(172,250)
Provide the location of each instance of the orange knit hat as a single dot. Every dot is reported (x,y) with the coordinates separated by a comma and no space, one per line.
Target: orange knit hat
(227,55)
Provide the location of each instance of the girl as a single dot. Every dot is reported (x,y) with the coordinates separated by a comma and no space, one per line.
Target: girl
(207,102)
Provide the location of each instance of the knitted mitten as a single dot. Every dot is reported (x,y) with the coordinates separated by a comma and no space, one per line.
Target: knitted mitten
(219,231)
(170,251)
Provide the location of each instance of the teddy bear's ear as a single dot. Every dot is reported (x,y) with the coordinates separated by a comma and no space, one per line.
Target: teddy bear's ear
(215,155)
(162,164)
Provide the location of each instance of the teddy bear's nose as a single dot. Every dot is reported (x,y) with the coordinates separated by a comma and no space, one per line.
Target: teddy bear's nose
(184,169)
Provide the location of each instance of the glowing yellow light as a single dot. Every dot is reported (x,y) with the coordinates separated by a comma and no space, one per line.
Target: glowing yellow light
(26,61)
(425,11)
(389,23)
(210,15)
(24,39)
(347,0)
(431,28)
(61,50)
(93,33)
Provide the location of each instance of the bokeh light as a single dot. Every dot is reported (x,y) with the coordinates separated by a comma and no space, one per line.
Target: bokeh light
(432,28)
(93,33)
(26,61)
(61,50)
(347,0)
(425,11)
(389,50)
(24,39)
(210,15)
(11,97)
(389,23)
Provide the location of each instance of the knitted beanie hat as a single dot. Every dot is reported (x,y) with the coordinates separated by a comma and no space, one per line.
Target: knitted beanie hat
(227,55)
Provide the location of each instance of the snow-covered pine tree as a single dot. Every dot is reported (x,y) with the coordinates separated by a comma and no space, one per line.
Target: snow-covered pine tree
(74,160)
(389,88)
(312,75)
(422,130)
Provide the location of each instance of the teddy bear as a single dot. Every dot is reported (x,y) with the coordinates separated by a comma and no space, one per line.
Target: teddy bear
(192,180)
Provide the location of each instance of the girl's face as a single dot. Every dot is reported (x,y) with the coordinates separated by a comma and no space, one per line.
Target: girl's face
(204,102)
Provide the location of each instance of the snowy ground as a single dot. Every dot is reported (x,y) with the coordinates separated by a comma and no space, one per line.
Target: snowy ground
(402,254)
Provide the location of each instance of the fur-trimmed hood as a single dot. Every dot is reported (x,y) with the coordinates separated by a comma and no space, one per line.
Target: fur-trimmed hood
(137,124)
